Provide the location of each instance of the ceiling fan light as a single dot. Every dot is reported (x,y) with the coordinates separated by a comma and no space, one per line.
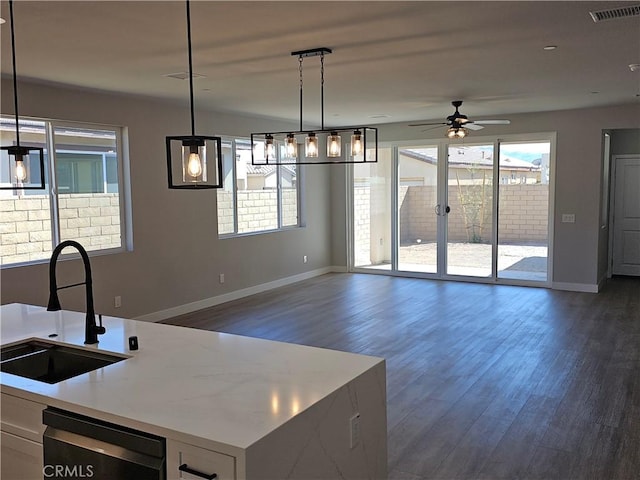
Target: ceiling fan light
(451,132)
(461,132)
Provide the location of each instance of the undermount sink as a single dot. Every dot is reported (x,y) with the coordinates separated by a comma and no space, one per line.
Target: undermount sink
(51,362)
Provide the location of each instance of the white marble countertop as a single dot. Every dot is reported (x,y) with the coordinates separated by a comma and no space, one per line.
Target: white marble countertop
(227,390)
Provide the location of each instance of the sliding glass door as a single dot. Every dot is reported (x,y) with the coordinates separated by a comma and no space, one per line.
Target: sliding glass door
(523,211)
(372,199)
(470,216)
(455,211)
(418,209)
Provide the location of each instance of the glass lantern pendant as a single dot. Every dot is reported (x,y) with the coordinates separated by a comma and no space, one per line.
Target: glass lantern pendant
(269,148)
(194,160)
(311,145)
(356,143)
(188,165)
(21,160)
(334,145)
(291,146)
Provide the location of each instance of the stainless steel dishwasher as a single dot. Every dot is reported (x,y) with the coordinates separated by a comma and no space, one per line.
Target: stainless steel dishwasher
(80,447)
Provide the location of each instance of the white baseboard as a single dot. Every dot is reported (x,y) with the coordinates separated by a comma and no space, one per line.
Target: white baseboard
(235,295)
(575,287)
(336,269)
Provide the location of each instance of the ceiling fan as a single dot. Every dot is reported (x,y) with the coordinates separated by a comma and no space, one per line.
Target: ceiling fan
(459,123)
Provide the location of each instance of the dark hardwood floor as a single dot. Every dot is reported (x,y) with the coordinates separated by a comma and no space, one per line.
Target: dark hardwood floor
(483,382)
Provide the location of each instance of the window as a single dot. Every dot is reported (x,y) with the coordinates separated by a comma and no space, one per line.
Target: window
(83,198)
(256,198)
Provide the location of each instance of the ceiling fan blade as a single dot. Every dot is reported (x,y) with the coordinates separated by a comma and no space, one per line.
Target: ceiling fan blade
(423,124)
(430,128)
(492,122)
(472,126)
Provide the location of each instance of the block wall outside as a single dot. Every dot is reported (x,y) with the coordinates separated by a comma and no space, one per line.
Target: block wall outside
(523,215)
(256,210)
(92,219)
(362,230)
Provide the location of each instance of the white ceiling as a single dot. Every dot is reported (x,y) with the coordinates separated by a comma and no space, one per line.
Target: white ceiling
(392,61)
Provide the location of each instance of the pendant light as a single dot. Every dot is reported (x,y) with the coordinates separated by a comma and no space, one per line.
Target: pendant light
(291,146)
(311,145)
(334,145)
(282,147)
(193,161)
(20,158)
(356,143)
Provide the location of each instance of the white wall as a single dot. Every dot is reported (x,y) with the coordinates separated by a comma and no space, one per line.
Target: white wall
(577,185)
(177,256)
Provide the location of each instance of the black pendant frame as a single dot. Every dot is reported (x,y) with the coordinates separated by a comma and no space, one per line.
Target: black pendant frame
(176,181)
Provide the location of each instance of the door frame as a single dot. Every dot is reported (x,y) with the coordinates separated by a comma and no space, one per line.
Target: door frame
(613,170)
(443,145)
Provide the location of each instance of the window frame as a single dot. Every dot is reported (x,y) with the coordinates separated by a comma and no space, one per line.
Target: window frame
(279,213)
(52,188)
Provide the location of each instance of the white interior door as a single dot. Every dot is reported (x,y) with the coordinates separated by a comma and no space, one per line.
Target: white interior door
(626,216)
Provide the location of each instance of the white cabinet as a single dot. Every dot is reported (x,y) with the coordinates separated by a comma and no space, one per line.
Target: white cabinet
(21,431)
(196,459)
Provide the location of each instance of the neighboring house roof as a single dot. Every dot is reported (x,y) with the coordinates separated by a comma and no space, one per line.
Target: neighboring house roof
(465,157)
(266,170)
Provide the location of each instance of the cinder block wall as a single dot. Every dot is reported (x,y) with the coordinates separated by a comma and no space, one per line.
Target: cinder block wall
(255,210)
(93,219)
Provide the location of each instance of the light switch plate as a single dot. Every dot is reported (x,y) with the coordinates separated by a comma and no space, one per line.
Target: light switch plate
(568,218)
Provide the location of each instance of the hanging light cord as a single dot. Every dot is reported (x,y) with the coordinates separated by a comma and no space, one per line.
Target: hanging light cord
(193,122)
(300,68)
(322,89)
(15,81)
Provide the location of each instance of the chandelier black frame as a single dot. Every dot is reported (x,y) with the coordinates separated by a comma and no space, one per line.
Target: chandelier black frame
(187,162)
(285,148)
(20,168)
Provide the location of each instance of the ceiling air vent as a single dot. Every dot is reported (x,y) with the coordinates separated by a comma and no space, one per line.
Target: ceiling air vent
(614,13)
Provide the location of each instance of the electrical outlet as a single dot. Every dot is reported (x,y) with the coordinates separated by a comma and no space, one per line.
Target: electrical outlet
(222,278)
(117,301)
(354,424)
(304,259)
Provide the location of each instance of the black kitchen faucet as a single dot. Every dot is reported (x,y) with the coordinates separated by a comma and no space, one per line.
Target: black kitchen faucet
(92,330)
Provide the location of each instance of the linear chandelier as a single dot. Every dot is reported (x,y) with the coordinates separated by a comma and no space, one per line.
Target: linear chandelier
(306,147)
(19,157)
(188,155)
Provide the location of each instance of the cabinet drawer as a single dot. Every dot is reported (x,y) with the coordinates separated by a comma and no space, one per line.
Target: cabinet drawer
(199,459)
(21,458)
(22,417)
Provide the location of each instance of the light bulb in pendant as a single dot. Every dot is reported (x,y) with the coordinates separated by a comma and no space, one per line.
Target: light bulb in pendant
(311,145)
(356,143)
(291,146)
(21,171)
(194,163)
(269,147)
(334,145)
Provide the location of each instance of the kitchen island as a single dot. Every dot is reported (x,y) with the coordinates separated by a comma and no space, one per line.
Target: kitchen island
(246,407)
